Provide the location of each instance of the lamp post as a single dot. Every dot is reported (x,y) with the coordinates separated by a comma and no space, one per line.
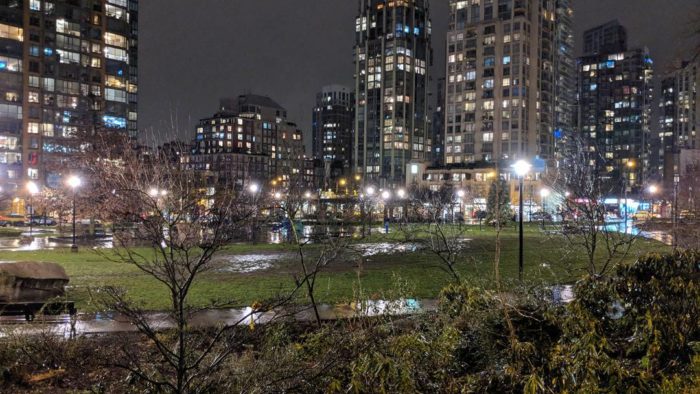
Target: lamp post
(32,189)
(74,182)
(676,182)
(629,165)
(544,193)
(652,190)
(386,196)
(521,168)
(460,196)
(369,194)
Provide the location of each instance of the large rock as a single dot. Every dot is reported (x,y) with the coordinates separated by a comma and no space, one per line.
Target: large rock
(31,281)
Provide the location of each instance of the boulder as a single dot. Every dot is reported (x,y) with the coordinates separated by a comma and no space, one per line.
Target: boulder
(31,281)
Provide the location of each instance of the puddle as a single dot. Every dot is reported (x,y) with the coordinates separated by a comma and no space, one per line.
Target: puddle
(247,263)
(373,249)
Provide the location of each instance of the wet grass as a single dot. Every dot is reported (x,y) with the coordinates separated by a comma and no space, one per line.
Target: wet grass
(548,259)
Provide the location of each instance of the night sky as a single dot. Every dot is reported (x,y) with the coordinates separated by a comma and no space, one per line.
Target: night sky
(194,51)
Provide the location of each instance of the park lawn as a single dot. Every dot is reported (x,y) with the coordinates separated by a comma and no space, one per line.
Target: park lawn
(548,260)
(10,232)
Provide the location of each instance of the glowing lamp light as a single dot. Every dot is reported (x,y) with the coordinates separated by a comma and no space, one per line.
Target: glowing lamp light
(74,182)
(307,195)
(521,168)
(153,192)
(278,196)
(370,191)
(401,193)
(653,189)
(32,188)
(461,193)
(386,195)
(545,193)
(254,188)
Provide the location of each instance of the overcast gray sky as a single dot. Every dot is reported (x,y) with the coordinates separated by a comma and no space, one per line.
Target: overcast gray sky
(194,51)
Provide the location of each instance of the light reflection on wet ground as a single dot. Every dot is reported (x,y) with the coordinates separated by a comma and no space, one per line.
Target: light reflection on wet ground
(100,323)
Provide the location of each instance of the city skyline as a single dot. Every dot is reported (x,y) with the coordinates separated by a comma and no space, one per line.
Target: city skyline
(314,59)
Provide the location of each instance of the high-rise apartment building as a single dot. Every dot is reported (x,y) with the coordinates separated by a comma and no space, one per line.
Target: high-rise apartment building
(508,67)
(565,71)
(437,157)
(249,139)
(610,37)
(392,58)
(332,123)
(615,96)
(680,117)
(66,68)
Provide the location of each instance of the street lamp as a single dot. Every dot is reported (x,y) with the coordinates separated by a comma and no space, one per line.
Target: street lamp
(32,189)
(521,168)
(74,182)
(544,193)
(652,190)
(676,182)
(254,188)
(629,165)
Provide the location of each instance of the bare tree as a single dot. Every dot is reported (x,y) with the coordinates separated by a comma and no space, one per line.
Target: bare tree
(583,209)
(183,225)
(443,235)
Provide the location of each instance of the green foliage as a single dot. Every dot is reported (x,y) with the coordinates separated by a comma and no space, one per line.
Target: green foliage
(498,203)
(636,329)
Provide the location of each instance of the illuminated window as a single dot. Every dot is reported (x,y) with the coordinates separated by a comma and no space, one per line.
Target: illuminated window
(11,32)
(33,128)
(116,40)
(116,54)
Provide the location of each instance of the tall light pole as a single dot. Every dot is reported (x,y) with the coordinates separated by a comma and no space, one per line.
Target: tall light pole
(460,196)
(676,182)
(652,190)
(544,193)
(32,189)
(629,165)
(369,194)
(521,168)
(74,182)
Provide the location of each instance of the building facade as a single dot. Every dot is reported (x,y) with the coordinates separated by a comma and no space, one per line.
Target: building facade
(66,68)
(615,92)
(508,68)
(332,122)
(610,37)
(679,124)
(438,126)
(250,139)
(392,59)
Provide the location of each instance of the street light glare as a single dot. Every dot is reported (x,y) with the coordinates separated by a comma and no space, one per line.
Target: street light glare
(386,195)
(401,193)
(545,192)
(370,191)
(461,193)
(653,189)
(521,167)
(74,182)
(32,188)
(253,187)
(153,192)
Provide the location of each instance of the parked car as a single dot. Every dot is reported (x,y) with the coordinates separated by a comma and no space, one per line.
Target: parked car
(42,221)
(539,216)
(642,215)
